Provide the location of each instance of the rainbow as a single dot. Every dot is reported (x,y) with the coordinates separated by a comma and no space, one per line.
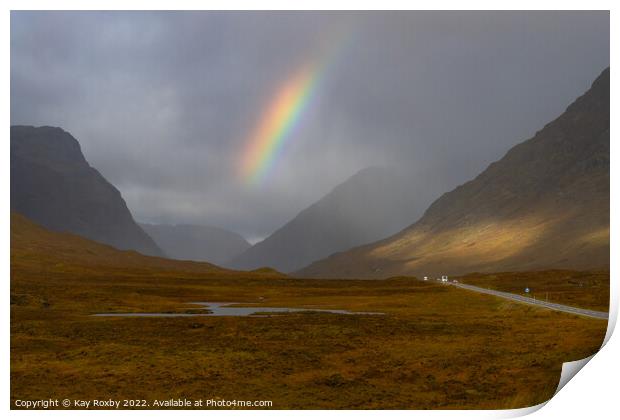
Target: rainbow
(282,116)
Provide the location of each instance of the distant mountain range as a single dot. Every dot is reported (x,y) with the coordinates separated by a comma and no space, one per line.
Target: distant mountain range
(545,204)
(36,250)
(372,204)
(197,243)
(53,185)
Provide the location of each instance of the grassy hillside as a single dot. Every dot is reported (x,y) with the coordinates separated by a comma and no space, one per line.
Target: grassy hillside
(36,249)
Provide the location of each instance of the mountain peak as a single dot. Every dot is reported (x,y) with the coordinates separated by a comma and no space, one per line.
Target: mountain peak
(51,145)
(53,185)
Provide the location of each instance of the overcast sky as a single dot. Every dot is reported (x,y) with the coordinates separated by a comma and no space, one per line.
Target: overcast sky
(163,103)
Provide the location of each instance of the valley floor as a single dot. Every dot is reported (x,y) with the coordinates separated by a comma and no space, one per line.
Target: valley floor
(435,347)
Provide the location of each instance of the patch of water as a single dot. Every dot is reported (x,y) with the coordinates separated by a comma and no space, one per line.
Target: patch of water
(224,309)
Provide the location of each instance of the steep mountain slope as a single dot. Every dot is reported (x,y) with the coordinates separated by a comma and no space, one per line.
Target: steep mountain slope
(53,184)
(370,205)
(197,243)
(545,204)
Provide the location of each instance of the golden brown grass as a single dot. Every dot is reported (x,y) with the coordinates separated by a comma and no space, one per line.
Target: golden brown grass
(435,347)
(531,242)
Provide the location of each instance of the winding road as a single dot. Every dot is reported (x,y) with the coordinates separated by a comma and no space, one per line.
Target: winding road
(531,301)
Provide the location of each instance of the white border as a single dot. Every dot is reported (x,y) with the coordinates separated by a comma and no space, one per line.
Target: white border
(592,394)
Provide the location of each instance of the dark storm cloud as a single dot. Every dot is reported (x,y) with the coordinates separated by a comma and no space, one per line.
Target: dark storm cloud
(162,103)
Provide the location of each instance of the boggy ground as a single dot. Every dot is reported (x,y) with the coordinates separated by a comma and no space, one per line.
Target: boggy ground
(435,347)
